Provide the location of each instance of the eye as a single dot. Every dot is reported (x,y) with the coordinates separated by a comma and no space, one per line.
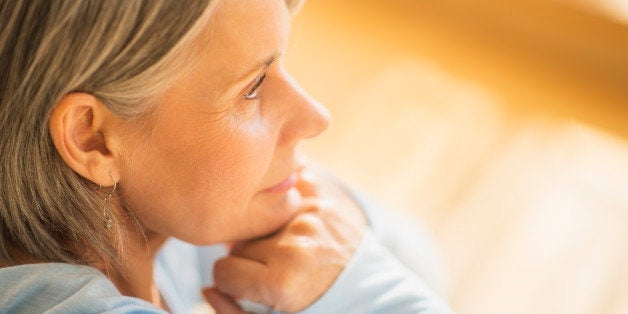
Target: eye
(252,93)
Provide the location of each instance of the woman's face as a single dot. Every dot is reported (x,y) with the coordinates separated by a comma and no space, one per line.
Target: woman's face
(218,162)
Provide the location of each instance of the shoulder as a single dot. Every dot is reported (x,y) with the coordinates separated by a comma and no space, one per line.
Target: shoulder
(63,288)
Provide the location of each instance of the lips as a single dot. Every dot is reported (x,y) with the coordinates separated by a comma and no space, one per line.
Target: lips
(284,185)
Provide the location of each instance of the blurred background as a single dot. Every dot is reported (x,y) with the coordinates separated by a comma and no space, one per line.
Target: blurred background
(501,125)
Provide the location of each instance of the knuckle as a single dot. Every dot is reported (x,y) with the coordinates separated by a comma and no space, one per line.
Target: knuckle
(305,224)
(317,204)
(296,248)
(222,272)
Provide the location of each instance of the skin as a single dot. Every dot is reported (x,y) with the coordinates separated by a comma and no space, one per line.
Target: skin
(214,151)
(218,163)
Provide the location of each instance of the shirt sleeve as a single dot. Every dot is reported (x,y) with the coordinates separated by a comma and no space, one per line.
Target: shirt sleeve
(406,237)
(63,288)
(375,282)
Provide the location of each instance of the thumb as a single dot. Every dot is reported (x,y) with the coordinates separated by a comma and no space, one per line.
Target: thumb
(222,303)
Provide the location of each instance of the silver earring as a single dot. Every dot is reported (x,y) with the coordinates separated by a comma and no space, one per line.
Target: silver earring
(106,212)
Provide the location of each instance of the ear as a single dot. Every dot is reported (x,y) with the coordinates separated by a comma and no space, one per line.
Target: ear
(83,131)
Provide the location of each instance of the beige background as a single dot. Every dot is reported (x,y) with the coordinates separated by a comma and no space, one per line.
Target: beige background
(500,124)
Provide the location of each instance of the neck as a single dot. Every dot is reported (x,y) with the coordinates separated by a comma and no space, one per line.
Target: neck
(137,278)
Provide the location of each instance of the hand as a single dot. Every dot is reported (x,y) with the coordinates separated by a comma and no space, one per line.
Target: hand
(291,269)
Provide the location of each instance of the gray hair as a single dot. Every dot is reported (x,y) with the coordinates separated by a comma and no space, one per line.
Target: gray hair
(121,51)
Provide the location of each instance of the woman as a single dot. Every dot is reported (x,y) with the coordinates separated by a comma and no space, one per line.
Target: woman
(127,123)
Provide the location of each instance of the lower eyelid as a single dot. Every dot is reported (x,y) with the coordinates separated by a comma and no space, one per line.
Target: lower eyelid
(252,95)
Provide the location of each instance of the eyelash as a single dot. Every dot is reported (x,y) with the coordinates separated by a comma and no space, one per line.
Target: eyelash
(252,94)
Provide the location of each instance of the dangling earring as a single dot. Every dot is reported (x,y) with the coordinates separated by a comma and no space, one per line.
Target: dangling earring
(106,212)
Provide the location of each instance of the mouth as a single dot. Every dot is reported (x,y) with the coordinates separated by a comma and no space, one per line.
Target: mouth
(283,186)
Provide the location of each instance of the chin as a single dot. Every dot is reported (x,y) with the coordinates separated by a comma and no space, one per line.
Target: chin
(280,209)
(267,215)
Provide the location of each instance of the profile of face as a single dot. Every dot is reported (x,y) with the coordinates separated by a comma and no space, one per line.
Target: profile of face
(219,160)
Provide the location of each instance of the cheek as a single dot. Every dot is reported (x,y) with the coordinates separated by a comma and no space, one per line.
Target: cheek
(186,183)
(231,158)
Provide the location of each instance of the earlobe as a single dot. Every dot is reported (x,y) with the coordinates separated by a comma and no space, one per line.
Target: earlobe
(79,126)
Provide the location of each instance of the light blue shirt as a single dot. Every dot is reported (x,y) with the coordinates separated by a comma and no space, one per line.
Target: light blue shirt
(375,281)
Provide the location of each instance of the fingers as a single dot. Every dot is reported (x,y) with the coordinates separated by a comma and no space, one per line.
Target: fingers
(222,304)
(292,267)
(306,183)
(255,250)
(243,278)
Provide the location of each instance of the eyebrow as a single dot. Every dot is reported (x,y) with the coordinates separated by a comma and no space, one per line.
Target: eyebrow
(261,65)
(266,63)
(235,86)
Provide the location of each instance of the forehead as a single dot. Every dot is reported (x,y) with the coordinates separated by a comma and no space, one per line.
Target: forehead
(247,31)
(239,35)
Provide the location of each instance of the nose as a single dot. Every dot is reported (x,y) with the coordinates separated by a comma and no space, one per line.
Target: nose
(305,117)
